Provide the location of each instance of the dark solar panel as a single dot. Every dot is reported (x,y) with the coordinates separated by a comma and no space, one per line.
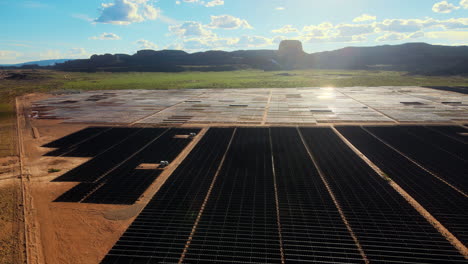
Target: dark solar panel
(438,161)
(444,203)
(387,227)
(311,226)
(160,232)
(239,222)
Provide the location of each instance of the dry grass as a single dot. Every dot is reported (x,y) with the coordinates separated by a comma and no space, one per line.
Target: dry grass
(9,237)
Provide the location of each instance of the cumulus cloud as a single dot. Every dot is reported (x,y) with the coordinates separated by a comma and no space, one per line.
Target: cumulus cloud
(449,35)
(400,36)
(228,22)
(8,55)
(124,12)
(464,4)
(75,53)
(444,7)
(212,3)
(191,29)
(391,37)
(146,44)
(404,25)
(364,17)
(254,41)
(286,29)
(106,36)
(348,30)
(213,42)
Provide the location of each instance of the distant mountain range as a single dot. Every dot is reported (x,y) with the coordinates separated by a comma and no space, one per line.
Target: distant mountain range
(415,58)
(39,63)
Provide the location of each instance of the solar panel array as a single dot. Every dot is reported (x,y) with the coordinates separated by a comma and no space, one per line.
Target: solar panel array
(427,153)
(254,195)
(311,227)
(446,204)
(160,232)
(387,227)
(309,105)
(112,176)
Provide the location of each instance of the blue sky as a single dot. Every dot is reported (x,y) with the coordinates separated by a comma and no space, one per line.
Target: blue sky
(52,29)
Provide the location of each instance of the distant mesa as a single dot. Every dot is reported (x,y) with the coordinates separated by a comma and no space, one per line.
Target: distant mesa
(414,58)
(291,54)
(290,48)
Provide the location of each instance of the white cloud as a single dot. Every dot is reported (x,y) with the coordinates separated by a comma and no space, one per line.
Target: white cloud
(449,35)
(454,23)
(254,41)
(191,29)
(464,4)
(404,25)
(76,53)
(9,55)
(348,30)
(106,36)
(286,29)
(211,3)
(214,3)
(392,37)
(124,12)
(444,7)
(146,44)
(197,44)
(228,22)
(364,17)
(280,8)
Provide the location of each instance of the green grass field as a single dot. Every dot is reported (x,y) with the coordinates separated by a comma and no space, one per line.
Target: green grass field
(46,81)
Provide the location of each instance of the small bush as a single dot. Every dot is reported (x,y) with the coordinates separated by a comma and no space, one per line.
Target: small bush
(53,170)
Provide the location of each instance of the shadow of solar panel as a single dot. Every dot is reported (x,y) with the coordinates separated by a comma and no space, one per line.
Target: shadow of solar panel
(125,184)
(438,161)
(96,144)
(159,233)
(444,203)
(75,138)
(387,227)
(93,169)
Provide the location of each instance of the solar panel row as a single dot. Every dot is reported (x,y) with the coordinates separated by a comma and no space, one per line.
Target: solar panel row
(438,161)
(160,232)
(239,221)
(444,203)
(311,227)
(387,227)
(439,140)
